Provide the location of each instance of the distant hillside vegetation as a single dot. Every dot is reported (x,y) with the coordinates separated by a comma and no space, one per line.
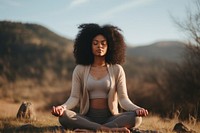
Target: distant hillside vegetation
(33,51)
(165,50)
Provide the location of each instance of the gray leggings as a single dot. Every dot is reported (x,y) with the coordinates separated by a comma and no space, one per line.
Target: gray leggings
(96,118)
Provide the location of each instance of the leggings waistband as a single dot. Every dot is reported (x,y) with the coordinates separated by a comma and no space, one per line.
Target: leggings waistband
(99,113)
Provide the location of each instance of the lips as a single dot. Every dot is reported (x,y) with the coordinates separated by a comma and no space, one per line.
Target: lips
(99,51)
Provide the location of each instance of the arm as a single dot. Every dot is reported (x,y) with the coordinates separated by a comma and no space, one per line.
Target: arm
(124,100)
(74,96)
(75,91)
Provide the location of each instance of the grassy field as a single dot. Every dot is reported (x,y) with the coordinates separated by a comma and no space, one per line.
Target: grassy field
(46,123)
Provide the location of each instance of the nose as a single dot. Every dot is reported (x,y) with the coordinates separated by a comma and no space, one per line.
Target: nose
(100,45)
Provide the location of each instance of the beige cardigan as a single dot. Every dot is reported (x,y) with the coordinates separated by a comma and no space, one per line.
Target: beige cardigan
(117,93)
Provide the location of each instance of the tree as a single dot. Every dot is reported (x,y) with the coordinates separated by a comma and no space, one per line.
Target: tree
(183,81)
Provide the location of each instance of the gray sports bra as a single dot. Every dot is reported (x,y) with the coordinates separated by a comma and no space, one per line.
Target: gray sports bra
(98,88)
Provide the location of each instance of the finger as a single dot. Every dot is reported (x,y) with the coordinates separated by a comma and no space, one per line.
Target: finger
(147,112)
(62,112)
(53,110)
(58,111)
(140,112)
(144,113)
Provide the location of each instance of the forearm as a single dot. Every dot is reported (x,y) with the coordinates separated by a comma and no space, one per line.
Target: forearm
(70,103)
(126,104)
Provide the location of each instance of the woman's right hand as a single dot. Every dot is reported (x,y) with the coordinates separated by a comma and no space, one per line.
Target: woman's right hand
(57,111)
(141,112)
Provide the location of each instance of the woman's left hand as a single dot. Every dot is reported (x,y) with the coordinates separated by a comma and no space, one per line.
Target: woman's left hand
(141,112)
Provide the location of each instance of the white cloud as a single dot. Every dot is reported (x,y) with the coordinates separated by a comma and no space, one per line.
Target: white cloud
(11,3)
(121,8)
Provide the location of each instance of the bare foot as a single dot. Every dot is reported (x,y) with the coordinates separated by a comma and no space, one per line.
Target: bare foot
(83,131)
(120,130)
(116,130)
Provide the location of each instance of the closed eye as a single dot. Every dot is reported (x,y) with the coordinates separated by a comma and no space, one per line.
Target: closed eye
(104,42)
(95,42)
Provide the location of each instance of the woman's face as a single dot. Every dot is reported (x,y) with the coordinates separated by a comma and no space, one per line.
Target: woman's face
(99,45)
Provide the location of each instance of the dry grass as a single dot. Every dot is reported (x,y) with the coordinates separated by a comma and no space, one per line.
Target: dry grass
(46,123)
(11,124)
(156,123)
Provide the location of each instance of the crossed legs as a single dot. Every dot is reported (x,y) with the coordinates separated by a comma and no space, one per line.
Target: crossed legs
(72,120)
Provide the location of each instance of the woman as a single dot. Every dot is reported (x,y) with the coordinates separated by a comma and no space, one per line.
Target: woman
(99,84)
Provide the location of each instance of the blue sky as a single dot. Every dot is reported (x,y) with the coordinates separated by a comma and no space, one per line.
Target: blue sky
(142,21)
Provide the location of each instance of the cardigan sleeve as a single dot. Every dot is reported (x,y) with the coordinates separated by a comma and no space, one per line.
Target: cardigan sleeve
(124,100)
(75,90)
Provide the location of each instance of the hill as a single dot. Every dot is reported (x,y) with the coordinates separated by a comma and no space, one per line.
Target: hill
(33,51)
(164,50)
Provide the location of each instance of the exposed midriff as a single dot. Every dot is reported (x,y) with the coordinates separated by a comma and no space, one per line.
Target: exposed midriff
(99,103)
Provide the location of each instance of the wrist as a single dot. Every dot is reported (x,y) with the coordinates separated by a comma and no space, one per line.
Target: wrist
(63,107)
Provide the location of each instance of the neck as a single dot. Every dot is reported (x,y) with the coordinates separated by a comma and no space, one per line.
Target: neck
(99,62)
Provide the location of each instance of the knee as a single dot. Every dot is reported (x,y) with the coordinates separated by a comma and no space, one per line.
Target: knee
(62,119)
(136,119)
(66,118)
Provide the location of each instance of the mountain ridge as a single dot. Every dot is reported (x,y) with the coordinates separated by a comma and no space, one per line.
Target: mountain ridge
(166,50)
(33,51)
